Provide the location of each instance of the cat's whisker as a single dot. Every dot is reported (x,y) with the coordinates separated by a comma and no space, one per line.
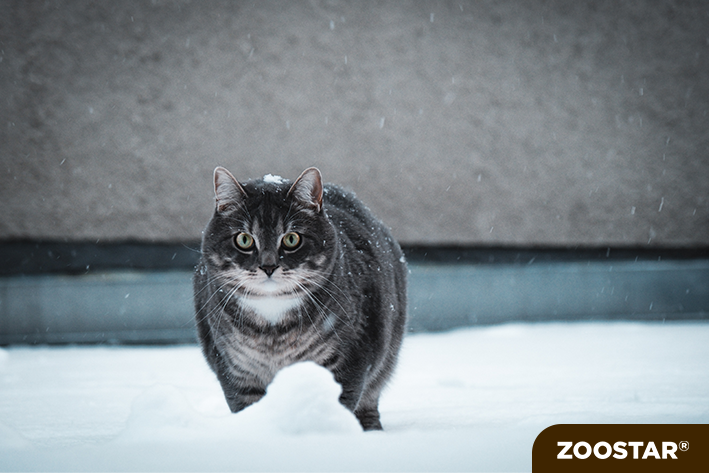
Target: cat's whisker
(225,300)
(320,286)
(322,310)
(223,305)
(320,307)
(312,275)
(218,290)
(245,292)
(210,280)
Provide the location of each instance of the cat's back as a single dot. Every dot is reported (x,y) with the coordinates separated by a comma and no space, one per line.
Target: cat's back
(368,248)
(340,200)
(354,220)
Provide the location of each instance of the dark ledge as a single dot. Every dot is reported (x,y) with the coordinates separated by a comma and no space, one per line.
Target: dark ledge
(52,257)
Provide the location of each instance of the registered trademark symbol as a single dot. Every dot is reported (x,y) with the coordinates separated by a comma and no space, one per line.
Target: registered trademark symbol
(684,446)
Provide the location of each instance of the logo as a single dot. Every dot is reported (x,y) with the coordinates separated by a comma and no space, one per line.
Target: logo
(622,447)
(603,450)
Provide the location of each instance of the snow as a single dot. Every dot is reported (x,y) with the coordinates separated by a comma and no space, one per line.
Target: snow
(271,179)
(472,399)
(303,399)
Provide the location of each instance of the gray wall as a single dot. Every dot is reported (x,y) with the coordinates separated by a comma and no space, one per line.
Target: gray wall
(548,123)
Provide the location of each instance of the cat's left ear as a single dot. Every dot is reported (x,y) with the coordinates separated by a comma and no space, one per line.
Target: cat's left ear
(227,189)
(307,189)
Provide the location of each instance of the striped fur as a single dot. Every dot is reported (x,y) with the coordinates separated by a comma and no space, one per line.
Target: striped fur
(338,299)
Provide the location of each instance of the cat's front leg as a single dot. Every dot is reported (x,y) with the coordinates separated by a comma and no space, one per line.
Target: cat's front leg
(366,410)
(369,417)
(355,399)
(240,395)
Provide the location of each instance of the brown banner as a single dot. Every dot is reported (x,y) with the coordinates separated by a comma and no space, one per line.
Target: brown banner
(624,448)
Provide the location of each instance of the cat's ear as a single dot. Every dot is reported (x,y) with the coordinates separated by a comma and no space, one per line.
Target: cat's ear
(227,189)
(307,189)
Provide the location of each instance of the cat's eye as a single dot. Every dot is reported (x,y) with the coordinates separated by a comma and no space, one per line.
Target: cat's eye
(291,241)
(244,241)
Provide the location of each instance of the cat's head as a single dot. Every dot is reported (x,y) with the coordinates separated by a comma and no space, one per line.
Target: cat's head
(269,237)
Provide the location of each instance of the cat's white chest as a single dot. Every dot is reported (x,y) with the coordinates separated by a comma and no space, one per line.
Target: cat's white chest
(272,309)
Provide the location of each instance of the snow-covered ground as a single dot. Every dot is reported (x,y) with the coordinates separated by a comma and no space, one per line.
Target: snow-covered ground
(473,399)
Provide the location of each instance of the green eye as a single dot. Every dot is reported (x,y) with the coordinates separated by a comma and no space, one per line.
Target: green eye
(244,241)
(291,240)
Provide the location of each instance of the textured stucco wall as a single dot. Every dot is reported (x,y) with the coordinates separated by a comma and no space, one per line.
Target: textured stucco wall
(505,122)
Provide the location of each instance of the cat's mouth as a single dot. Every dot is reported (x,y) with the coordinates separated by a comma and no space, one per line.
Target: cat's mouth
(271,298)
(270,286)
(272,289)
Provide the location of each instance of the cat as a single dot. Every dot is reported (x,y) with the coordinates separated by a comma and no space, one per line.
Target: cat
(295,272)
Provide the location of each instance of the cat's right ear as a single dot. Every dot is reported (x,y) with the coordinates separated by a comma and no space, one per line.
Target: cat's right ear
(308,189)
(227,189)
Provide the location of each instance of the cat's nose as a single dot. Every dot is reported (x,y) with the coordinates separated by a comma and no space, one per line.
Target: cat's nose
(269,269)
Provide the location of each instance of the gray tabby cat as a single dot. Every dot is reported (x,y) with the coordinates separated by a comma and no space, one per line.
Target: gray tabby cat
(299,272)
